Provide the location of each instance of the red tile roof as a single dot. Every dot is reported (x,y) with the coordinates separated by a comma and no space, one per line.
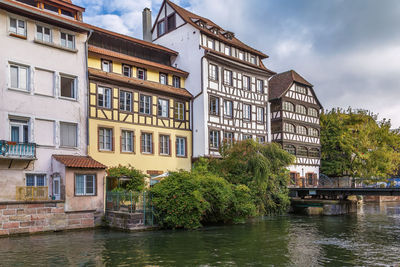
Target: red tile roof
(72,161)
(136,60)
(140,83)
(188,17)
(281,82)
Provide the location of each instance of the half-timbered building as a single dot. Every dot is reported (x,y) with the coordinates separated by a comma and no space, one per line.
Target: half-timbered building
(139,111)
(295,111)
(228,79)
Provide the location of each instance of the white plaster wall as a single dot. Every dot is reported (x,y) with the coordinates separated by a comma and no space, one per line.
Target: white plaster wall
(304,169)
(44,107)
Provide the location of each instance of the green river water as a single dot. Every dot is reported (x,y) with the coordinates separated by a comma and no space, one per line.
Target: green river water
(369,238)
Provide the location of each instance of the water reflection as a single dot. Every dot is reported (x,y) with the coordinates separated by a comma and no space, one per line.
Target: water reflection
(371,237)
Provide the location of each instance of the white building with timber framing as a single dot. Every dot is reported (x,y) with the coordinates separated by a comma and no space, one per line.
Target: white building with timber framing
(227,78)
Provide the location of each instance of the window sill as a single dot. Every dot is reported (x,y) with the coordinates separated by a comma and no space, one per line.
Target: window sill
(214,114)
(69,147)
(128,152)
(68,98)
(18,36)
(19,90)
(106,151)
(55,46)
(147,154)
(165,155)
(182,157)
(39,94)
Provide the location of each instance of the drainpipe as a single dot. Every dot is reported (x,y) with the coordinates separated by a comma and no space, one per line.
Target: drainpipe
(88,90)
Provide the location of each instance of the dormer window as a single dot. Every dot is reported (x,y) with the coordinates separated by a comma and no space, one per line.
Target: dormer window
(161,28)
(253,60)
(171,22)
(229,35)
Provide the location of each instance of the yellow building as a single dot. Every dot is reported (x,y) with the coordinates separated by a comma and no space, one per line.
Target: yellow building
(139,111)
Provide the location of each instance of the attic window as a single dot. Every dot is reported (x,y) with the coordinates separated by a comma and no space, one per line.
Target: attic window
(214,30)
(171,22)
(229,35)
(28,2)
(51,8)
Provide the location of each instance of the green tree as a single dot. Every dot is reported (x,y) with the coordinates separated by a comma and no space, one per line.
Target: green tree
(134,179)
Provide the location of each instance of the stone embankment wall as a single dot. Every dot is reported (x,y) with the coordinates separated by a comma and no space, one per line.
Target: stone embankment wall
(19,218)
(381,198)
(125,221)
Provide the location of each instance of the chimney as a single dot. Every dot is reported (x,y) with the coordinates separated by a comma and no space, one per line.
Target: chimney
(146,14)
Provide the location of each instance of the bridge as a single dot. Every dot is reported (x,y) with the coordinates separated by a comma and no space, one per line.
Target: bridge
(342,193)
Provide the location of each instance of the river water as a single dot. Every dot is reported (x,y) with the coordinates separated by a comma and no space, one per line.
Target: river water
(369,238)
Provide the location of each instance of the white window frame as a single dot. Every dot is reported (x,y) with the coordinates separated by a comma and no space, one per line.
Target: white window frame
(19,76)
(216,112)
(228,50)
(123,101)
(145,106)
(139,71)
(247,112)
(289,128)
(76,134)
(229,137)
(164,77)
(146,141)
(165,141)
(214,139)
(103,138)
(20,124)
(213,72)
(127,141)
(43,34)
(35,177)
(228,108)
(74,84)
(17,23)
(106,99)
(179,111)
(288,106)
(176,81)
(106,65)
(66,42)
(181,147)
(162,108)
(260,114)
(211,43)
(260,86)
(85,177)
(228,77)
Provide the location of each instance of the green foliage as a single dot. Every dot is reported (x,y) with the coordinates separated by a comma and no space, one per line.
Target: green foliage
(136,182)
(354,143)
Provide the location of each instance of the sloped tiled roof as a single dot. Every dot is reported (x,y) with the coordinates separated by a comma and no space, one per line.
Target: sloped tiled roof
(72,161)
(141,83)
(141,62)
(190,17)
(281,82)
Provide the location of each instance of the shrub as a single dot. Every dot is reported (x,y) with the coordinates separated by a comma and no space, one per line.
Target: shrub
(136,182)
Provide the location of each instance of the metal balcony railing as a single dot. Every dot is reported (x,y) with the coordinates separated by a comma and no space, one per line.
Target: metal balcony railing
(32,193)
(16,150)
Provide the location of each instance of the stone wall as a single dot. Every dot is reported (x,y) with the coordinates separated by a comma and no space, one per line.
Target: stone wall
(381,198)
(125,220)
(19,217)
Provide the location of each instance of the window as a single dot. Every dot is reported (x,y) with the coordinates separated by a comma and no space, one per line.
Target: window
(314,152)
(127,70)
(51,8)
(290,149)
(43,34)
(214,139)
(179,111)
(181,147)
(246,112)
(104,97)
(292,178)
(176,81)
(165,144)
(302,151)
(19,131)
(163,107)
(228,77)
(213,72)
(210,43)
(301,109)
(147,143)
(19,77)
(241,55)
(85,185)
(260,86)
(171,22)
(141,73)
(36,180)
(106,65)
(17,26)
(227,50)
(288,106)
(161,28)
(67,40)
(261,139)
(68,86)
(228,138)
(68,134)
(105,139)
(246,83)
(163,78)
(253,60)
(125,101)
(313,132)
(228,108)
(214,105)
(310,179)
(289,128)
(260,114)
(301,130)
(300,89)
(127,141)
(247,137)
(313,112)
(145,104)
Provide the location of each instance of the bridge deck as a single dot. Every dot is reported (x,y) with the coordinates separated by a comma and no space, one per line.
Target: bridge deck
(344,192)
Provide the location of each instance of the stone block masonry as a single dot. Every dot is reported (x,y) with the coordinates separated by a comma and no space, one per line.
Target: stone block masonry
(20,218)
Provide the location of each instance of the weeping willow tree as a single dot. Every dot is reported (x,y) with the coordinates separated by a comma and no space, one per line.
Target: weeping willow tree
(261,167)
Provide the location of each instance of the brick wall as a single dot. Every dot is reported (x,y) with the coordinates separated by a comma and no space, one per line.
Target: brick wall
(17,218)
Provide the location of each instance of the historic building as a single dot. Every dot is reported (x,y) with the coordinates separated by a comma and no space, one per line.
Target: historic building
(227,78)
(43,116)
(139,109)
(295,112)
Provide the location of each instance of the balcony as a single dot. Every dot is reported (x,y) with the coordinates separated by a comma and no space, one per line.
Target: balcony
(16,150)
(32,193)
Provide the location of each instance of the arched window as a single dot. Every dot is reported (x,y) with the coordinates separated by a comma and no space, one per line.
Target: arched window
(288,106)
(289,128)
(290,149)
(314,152)
(313,132)
(312,112)
(301,130)
(301,109)
(302,151)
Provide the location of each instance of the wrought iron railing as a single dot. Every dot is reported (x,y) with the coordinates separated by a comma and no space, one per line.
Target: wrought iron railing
(10,149)
(32,193)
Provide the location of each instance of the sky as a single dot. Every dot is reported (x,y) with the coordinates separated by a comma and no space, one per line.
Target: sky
(348,49)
